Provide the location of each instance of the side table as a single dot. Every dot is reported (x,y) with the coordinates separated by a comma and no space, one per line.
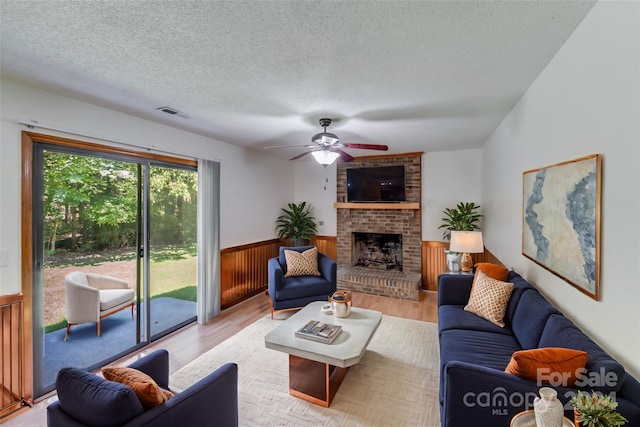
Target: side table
(528,419)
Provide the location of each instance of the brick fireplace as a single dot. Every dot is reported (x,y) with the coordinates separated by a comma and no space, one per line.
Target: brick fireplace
(393,267)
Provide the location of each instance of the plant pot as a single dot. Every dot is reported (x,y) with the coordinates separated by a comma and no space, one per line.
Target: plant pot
(300,242)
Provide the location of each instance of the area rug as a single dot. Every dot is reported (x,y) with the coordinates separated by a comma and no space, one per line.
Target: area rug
(85,349)
(395,383)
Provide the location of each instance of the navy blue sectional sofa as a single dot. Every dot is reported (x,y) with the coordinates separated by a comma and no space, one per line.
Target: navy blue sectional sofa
(475,390)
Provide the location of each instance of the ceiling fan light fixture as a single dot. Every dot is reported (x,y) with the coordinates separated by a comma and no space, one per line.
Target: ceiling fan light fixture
(325,157)
(325,138)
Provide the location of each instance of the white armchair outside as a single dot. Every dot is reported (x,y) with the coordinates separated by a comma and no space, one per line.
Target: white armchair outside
(91,297)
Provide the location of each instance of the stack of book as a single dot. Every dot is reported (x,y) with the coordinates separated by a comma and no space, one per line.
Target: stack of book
(318,331)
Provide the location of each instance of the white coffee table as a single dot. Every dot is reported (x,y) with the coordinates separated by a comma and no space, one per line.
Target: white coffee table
(316,370)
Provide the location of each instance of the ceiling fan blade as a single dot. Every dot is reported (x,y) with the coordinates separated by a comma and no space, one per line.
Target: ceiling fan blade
(368,146)
(344,156)
(288,146)
(301,155)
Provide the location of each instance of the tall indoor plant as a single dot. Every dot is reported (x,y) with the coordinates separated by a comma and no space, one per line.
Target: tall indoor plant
(461,218)
(297,223)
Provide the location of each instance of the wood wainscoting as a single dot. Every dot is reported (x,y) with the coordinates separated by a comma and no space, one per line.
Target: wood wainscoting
(12,374)
(434,262)
(244,268)
(326,245)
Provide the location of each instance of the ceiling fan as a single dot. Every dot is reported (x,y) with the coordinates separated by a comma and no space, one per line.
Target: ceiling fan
(326,147)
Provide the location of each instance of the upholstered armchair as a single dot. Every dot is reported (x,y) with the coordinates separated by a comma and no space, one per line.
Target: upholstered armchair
(85,399)
(290,292)
(91,297)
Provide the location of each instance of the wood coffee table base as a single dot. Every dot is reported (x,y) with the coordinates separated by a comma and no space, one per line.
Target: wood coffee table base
(313,381)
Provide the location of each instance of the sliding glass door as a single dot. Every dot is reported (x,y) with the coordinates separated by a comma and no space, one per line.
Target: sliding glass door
(103,214)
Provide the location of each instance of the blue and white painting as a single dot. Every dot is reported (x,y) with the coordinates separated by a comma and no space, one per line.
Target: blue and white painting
(561,218)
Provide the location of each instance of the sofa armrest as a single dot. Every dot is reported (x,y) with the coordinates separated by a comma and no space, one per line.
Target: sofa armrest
(477,395)
(454,289)
(211,401)
(328,269)
(275,276)
(156,365)
(82,302)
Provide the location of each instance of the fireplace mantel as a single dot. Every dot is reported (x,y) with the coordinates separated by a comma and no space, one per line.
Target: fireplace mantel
(404,206)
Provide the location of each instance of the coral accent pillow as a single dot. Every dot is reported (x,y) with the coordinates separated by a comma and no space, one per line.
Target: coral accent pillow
(489,298)
(494,271)
(560,365)
(143,385)
(302,263)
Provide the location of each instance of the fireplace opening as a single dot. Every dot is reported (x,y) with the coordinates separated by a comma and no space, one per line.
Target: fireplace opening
(379,251)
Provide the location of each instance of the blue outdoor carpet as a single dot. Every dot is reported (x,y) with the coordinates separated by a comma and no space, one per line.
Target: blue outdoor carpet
(85,349)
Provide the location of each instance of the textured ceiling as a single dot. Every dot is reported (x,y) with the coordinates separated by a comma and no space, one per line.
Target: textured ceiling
(415,75)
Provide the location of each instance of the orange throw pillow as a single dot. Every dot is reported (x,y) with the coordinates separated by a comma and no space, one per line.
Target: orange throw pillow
(143,385)
(494,271)
(555,364)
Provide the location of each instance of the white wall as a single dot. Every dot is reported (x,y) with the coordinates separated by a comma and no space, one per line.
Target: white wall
(253,186)
(448,178)
(586,101)
(317,185)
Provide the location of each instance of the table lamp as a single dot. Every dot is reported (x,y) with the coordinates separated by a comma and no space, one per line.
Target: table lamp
(467,242)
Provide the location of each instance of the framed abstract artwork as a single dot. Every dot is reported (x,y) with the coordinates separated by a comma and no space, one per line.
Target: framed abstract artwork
(561,220)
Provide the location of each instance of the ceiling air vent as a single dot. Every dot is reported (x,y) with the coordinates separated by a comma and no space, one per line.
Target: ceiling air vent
(173,112)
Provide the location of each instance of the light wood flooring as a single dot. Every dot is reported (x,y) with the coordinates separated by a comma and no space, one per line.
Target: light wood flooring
(189,343)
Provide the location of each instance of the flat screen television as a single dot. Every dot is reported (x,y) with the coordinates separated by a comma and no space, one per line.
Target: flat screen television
(376,184)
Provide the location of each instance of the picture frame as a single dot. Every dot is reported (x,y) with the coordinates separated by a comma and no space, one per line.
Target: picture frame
(561,207)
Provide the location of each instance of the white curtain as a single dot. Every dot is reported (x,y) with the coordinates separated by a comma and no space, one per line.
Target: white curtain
(208,240)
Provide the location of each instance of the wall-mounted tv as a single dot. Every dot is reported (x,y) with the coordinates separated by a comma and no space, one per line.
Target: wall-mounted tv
(376,184)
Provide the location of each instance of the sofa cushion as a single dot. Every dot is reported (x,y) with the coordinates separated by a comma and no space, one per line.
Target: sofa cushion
(149,393)
(481,348)
(494,271)
(110,298)
(529,318)
(489,298)
(519,286)
(96,401)
(302,263)
(455,317)
(550,366)
(603,374)
(303,286)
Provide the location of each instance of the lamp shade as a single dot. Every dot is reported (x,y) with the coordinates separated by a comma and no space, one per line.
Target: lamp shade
(325,157)
(466,242)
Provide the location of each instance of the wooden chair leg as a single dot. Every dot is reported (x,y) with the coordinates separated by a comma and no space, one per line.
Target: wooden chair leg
(270,302)
(98,327)
(131,311)
(66,335)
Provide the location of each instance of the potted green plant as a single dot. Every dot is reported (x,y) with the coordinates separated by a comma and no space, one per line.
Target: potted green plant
(461,218)
(297,223)
(596,410)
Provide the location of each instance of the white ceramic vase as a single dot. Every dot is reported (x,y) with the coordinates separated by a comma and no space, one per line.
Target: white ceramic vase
(548,409)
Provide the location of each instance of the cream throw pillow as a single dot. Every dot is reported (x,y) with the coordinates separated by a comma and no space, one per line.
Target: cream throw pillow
(489,298)
(302,263)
